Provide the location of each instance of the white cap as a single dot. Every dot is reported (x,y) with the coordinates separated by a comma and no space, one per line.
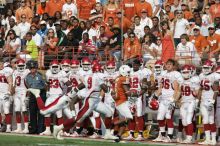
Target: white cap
(211,26)
(43,22)
(196,27)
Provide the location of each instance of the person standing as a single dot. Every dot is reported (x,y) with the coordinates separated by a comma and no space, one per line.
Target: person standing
(35,80)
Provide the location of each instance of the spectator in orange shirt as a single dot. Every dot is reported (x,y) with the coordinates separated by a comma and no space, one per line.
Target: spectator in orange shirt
(215,9)
(84,8)
(132,48)
(168,12)
(214,42)
(187,14)
(109,25)
(142,4)
(110,10)
(124,22)
(128,7)
(42,7)
(200,42)
(55,5)
(24,9)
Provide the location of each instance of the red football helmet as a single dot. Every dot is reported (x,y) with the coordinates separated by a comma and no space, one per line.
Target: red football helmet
(75,65)
(86,64)
(153,104)
(110,66)
(20,65)
(207,67)
(158,67)
(94,62)
(54,66)
(97,68)
(65,65)
(186,71)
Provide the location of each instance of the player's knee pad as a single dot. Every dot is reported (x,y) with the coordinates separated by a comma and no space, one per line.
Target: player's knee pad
(59,113)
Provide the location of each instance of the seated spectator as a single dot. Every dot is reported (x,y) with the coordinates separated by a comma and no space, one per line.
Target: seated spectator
(43,29)
(113,47)
(77,29)
(64,26)
(12,45)
(36,37)
(214,42)
(186,52)
(12,25)
(71,47)
(24,9)
(31,51)
(132,48)
(62,39)
(102,39)
(148,47)
(86,47)
(42,7)
(158,48)
(200,43)
(51,51)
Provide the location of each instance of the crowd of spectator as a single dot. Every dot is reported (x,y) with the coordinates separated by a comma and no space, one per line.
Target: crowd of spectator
(42,30)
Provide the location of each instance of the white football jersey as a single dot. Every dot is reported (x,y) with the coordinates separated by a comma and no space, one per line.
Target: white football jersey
(19,80)
(188,87)
(157,78)
(55,81)
(83,73)
(74,78)
(136,78)
(4,74)
(167,81)
(206,82)
(110,79)
(92,83)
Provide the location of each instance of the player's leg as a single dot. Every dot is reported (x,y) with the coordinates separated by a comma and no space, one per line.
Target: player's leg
(205,121)
(6,109)
(24,111)
(17,109)
(96,122)
(161,121)
(139,118)
(182,122)
(212,126)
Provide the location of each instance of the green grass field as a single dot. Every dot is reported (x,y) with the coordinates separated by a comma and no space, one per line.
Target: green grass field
(27,140)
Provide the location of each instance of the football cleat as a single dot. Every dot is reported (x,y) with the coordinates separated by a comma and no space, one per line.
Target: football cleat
(160,138)
(46,132)
(130,137)
(95,135)
(25,131)
(206,142)
(139,138)
(17,131)
(57,131)
(109,136)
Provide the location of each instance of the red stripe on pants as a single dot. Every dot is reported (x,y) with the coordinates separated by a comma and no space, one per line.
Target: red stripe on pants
(83,110)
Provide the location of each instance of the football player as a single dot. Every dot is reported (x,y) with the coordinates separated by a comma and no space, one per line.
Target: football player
(20,102)
(94,84)
(138,79)
(169,93)
(6,90)
(189,92)
(209,83)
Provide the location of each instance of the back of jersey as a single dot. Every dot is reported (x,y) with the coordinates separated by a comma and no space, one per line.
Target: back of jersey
(4,74)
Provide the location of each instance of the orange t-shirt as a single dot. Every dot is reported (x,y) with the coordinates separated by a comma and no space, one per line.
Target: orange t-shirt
(125,25)
(24,11)
(55,49)
(84,8)
(187,15)
(215,11)
(200,42)
(55,5)
(128,6)
(40,10)
(171,16)
(119,90)
(213,42)
(139,6)
(131,50)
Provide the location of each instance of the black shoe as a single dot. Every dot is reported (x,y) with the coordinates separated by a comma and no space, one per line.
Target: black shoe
(3,128)
(118,140)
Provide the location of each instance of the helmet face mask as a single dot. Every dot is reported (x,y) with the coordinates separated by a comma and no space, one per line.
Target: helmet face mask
(124,70)
(65,67)
(186,74)
(86,66)
(110,67)
(21,67)
(74,68)
(55,69)
(206,69)
(158,69)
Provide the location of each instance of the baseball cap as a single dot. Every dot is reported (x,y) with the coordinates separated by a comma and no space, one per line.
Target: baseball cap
(43,22)
(196,27)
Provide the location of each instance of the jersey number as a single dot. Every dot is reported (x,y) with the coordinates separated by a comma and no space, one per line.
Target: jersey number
(205,85)
(54,83)
(185,90)
(3,79)
(74,82)
(89,82)
(134,82)
(18,80)
(165,83)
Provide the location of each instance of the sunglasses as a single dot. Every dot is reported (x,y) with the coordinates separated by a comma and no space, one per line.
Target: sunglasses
(11,33)
(118,13)
(211,28)
(131,36)
(195,30)
(51,32)
(179,13)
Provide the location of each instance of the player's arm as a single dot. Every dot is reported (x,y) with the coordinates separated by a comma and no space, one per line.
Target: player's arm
(10,84)
(177,91)
(215,88)
(145,86)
